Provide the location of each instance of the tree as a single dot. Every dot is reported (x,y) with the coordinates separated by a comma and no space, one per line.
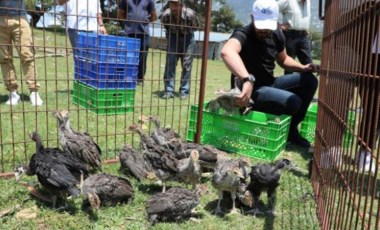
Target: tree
(36,8)
(316,44)
(224,19)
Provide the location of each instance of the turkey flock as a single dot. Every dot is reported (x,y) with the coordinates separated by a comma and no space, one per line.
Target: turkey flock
(75,170)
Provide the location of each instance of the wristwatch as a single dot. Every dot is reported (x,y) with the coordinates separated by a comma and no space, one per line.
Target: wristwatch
(250,78)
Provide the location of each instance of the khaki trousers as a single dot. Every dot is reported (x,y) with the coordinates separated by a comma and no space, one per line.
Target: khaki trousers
(17,29)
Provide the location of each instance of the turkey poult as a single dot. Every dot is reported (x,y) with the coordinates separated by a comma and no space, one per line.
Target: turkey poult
(208,155)
(28,169)
(105,189)
(189,169)
(266,177)
(167,138)
(162,136)
(226,100)
(78,143)
(174,205)
(55,170)
(229,175)
(161,160)
(132,162)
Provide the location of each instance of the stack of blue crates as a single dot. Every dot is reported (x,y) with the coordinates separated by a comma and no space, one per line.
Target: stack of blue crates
(105,62)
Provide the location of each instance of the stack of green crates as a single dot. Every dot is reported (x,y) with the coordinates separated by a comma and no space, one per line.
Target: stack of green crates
(309,123)
(105,73)
(103,102)
(257,135)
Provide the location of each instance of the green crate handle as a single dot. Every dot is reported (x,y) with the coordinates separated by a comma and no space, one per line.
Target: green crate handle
(117,94)
(89,102)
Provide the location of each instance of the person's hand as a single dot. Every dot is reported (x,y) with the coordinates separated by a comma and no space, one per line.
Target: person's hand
(285,26)
(311,67)
(102,30)
(243,99)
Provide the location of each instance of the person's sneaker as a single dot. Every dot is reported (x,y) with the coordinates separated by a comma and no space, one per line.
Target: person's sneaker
(167,95)
(364,161)
(183,96)
(14,98)
(35,99)
(296,138)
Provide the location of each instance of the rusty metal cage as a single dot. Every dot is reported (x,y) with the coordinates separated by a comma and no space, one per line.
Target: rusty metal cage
(345,169)
(55,71)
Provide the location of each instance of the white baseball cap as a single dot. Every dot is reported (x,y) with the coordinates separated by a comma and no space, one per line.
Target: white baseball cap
(265,14)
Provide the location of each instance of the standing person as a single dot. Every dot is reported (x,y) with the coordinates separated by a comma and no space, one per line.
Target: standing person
(250,55)
(138,14)
(295,25)
(180,23)
(82,16)
(15,28)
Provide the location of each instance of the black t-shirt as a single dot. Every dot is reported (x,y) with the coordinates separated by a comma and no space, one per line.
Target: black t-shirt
(259,56)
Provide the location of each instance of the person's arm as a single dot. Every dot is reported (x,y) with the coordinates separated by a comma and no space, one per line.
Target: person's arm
(230,55)
(153,16)
(102,28)
(290,64)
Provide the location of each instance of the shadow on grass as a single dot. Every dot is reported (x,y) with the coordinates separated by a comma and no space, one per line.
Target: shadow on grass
(67,91)
(4,98)
(157,93)
(151,188)
(86,208)
(305,153)
(226,206)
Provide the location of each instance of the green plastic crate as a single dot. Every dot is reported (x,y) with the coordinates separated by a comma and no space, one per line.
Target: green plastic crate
(104,102)
(309,123)
(257,135)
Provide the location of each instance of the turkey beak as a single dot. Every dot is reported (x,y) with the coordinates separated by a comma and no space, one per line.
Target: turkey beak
(240,175)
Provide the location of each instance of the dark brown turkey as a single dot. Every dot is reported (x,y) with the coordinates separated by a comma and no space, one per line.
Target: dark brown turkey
(106,189)
(266,177)
(167,138)
(57,171)
(132,162)
(176,204)
(79,144)
(161,160)
(162,135)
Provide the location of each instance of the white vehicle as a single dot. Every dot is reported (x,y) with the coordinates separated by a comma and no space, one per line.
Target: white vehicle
(54,17)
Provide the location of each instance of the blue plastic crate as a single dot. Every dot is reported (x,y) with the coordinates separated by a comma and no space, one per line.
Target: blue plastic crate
(104,71)
(87,38)
(132,58)
(120,42)
(108,48)
(108,41)
(106,84)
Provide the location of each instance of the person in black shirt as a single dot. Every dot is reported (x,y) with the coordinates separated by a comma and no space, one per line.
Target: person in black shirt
(250,55)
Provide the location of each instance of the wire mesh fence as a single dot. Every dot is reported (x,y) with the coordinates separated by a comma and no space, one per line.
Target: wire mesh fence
(100,102)
(345,172)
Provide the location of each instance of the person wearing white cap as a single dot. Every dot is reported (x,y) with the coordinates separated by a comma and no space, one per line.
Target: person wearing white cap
(295,24)
(250,55)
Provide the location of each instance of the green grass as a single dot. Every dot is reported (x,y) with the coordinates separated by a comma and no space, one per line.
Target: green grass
(55,74)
